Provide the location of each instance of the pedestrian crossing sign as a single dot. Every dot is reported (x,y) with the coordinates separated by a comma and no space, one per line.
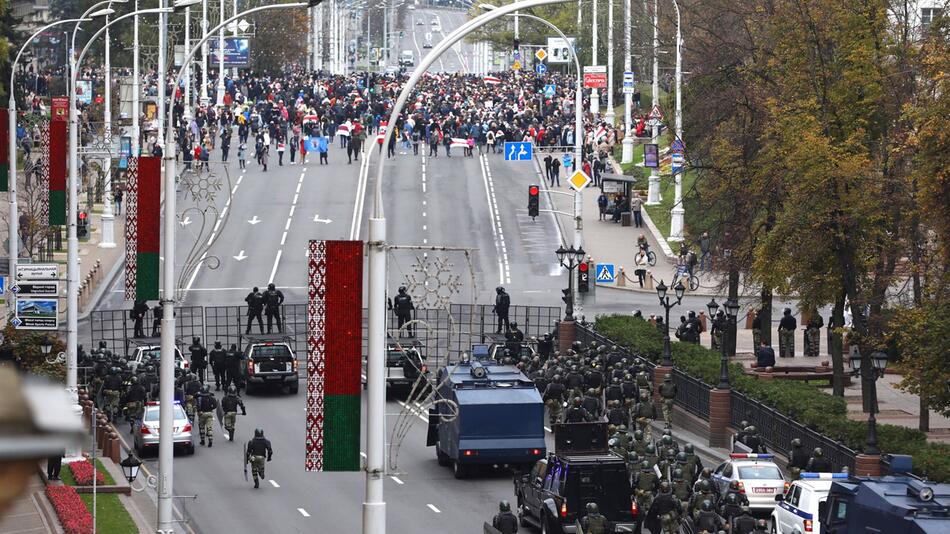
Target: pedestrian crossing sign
(579,180)
(605,273)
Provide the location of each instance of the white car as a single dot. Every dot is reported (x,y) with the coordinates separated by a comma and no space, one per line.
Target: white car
(146,434)
(797,509)
(758,476)
(143,354)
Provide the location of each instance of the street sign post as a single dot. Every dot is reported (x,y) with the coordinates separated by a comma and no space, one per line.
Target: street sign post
(36,314)
(628,83)
(579,180)
(35,289)
(541,54)
(595,77)
(517,151)
(516,65)
(541,68)
(606,273)
(37,271)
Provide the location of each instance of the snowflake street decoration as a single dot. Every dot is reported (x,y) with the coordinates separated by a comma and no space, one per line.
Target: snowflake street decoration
(202,186)
(432,283)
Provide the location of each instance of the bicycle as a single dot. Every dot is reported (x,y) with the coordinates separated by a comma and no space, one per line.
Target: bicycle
(651,256)
(689,280)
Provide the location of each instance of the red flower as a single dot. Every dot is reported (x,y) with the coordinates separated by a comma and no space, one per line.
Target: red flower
(71,510)
(82,473)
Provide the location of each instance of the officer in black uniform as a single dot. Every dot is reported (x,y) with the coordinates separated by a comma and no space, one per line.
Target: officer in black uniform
(232,368)
(256,451)
(502,303)
(157,312)
(229,405)
(744,523)
(255,306)
(513,339)
(818,463)
(505,521)
(665,504)
(545,347)
(218,356)
(576,413)
(402,306)
(138,313)
(199,358)
(273,299)
(797,459)
(707,519)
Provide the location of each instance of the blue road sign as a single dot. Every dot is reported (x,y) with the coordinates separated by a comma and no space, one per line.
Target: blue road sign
(3,285)
(518,151)
(677,146)
(676,162)
(549,90)
(567,159)
(541,68)
(605,273)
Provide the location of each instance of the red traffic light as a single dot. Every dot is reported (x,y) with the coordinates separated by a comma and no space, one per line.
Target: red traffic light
(533,190)
(82,215)
(582,267)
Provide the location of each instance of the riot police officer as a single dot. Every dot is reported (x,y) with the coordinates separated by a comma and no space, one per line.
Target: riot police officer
(229,405)
(256,451)
(403,306)
(797,459)
(273,299)
(594,522)
(668,393)
(818,463)
(576,413)
(786,334)
(643,414)
(232,368)
(664,511)
(502,303)
(191,387)
(813,335)
(134,402)
(505,521)
(206,404)
(255,305)
(138,313)
(218,356)
(707,519)
(199,358)
(554,398)
(743,523)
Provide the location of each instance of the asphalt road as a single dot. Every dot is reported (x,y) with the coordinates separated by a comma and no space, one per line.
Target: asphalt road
(478,203)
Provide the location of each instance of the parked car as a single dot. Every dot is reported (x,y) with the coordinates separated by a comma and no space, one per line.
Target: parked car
(145,436)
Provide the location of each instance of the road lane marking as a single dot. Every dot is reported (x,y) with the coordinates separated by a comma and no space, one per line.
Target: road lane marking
(397,481)
(273,271)
(504,271)
(361,186)
(434,509)
(287,225)
(295,198)
(273,483)
(292,208)
(283,239)
(303,512)
(298,187)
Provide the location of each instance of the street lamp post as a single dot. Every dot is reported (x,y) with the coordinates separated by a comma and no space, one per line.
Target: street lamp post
(594,95)
(610,116)
(13,221)
(569,258)
(653,188)
(220,92)
(677,212)
(872,367)
(626,154)
(732,311)
(108,214)
(661,289)
(374,507)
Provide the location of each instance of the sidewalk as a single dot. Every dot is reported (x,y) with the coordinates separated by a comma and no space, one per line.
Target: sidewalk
(31,513)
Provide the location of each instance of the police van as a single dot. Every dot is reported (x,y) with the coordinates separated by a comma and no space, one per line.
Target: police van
(796,511)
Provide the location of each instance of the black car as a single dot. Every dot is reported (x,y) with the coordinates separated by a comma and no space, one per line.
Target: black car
(554,495)
(269,364)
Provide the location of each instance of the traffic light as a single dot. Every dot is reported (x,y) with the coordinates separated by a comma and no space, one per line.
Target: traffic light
(568,298)
(583,277)
(533,200)
(82,225)
(516,44)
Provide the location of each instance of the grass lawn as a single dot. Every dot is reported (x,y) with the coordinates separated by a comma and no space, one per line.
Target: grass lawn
(67,475)
(111,515)
(661,212)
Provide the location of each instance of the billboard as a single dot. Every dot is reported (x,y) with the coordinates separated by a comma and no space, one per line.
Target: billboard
(36,314)
(559,50)
(237,52)
(595,77)
(84,91)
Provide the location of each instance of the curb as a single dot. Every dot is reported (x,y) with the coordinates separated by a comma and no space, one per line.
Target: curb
(101,290)
(664,245)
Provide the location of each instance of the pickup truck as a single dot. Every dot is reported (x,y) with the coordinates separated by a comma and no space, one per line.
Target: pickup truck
(144,353)
(269,362)
(553,496)
(404,365)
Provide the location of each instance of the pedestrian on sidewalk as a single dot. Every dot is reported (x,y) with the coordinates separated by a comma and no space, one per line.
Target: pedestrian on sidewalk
(547,168)
(636,204)
(265,155)
(640,261)
(786,334)
(242,154)
(601,204)
(118,201)
(53,465)
(323,146)
(704,251)
(555,172)
(280,152)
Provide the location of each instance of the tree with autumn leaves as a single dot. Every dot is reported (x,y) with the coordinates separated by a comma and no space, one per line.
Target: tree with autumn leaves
(830,118)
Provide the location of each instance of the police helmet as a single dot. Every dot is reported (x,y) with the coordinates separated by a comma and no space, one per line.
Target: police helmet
(194,340)
(818,453)
(645,465)
(592,508)
(622,428)
(681,457)
(668,378)
(633,457)
(688,449)
(206,389)
(499,289)
(556,378)
(666,440)
(743,424)
(707,506)
(677,473)
(402,289)
(732,498)
(638,435)
(796,443)
(751,430)
(504,506)
(706,472)
(664,487)
(232,390)
(271,287)
(704,486)
(650,448)
(577,401)
(258,432)
(514,324)
(134,379)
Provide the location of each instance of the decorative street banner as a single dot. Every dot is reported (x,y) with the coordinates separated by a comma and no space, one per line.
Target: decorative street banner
(131,227)
(334,353)
(43,186)
(4,151)
(148,214)
(57,173)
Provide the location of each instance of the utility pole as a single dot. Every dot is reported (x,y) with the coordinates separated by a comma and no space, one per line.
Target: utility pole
(204,53)
(108,215)
(653,188)
(136,89)
(187,115)
(220,92)
(610,115)
(594,94)
(626,155)
(677,214)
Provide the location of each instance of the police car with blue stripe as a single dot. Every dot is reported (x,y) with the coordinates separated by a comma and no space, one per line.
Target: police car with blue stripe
(797,510)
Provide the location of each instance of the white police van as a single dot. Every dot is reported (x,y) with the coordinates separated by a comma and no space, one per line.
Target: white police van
(796,511)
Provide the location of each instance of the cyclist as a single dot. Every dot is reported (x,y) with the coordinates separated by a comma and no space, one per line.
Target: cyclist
(643,244)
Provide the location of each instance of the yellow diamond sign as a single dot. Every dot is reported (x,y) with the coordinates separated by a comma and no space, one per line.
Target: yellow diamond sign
(579,180)
(540,54)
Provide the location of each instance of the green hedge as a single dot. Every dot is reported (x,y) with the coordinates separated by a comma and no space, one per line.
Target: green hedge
(804,402)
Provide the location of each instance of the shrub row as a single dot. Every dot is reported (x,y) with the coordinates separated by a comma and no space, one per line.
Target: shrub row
(82,473)
(803,402)
(70,509)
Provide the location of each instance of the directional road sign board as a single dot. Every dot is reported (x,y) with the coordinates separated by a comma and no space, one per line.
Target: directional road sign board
(605,273)
(567,159)
(541,54)
(37,271)
(35,289)
(518,151)
(3,285)
(541,67)
(676,162)
(579,180)
(549,90)
(36,314)
(628,83)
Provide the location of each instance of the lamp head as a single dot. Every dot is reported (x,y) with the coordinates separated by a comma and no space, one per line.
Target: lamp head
(183,4)
(101,13)
(561,253)
(732,308)
(680,290)
(713,307)
(661,290)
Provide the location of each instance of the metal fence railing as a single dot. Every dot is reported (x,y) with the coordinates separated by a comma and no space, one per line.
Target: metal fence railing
(778,430)
(692,393)
(117,328)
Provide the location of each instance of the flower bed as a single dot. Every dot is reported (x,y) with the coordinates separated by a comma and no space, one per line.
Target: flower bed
(70,509)
(83,471)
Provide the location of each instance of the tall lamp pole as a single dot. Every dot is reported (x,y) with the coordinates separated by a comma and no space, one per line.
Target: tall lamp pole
(653,188)
(220,91)
(108,214)
(626,154)
(594,94)
(732,312)
(661,290)
(873,367)
(610,116)
(374,507)
(13,217)
(569,258)
(677,212)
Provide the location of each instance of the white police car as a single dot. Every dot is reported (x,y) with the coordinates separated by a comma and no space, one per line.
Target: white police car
(758,477)
(797,509)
